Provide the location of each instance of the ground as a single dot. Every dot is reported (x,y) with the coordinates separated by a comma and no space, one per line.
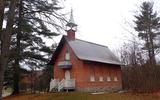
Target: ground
(84,96)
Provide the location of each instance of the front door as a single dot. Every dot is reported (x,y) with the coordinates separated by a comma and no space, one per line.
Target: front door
(67,74)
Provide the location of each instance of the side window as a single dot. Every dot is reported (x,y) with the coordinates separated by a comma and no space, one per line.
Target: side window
(67,55)
(115,78)
(108,78)
(101,79)
(92,74)
(92,78)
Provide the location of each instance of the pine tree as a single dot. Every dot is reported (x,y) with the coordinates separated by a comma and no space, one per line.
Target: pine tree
(148,25)
(28,47)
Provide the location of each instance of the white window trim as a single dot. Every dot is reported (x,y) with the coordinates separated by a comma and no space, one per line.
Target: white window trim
(67,56)
(101,78)
(108,78)
(92,78)
(115,78)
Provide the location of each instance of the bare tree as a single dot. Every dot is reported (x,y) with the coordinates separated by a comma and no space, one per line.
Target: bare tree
(137,75)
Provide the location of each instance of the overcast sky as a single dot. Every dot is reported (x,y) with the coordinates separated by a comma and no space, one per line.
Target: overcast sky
(105,21)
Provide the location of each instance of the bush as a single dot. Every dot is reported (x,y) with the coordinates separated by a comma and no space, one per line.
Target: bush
(143,78)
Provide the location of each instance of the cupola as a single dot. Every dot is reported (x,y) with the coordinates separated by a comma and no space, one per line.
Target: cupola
(71,27)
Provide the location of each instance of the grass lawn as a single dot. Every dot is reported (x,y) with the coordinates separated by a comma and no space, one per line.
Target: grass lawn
(84,96)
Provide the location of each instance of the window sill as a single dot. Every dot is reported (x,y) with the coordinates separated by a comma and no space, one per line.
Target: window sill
(92,81)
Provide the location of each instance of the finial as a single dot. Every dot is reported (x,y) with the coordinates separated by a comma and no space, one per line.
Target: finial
(71,22)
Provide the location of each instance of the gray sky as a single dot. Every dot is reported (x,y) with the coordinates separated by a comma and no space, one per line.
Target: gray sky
(104,21)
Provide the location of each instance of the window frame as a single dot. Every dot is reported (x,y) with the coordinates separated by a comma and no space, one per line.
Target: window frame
(92,78)
(67,56)
(108,79)
(115,78)
(101,78)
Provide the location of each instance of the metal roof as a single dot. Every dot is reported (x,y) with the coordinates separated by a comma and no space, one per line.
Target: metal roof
(93,52)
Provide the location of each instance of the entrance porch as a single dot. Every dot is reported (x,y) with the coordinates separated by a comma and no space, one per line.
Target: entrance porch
(64,84)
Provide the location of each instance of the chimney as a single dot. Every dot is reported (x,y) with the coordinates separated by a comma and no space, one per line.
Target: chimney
(71,27)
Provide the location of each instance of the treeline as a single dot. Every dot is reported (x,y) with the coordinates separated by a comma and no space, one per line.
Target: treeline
(141,72)
(36,81)
(143,78)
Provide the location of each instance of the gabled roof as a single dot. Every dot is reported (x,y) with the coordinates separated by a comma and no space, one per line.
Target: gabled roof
(88,51)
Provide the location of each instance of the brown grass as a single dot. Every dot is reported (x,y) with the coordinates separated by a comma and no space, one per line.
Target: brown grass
(84,96)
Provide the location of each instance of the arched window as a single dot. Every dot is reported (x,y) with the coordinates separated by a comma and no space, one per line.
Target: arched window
(92,78)
(101,78)
(115,78)
(67,55)
(108,78)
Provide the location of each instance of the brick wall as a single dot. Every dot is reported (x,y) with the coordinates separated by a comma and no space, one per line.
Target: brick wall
(100,70)
(82,70)
(76,64)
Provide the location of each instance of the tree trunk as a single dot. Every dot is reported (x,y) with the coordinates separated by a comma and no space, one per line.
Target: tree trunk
(148,47)
(151,48)
(16,77)
(1,24)
(1,13)
(5,42)
(18,49)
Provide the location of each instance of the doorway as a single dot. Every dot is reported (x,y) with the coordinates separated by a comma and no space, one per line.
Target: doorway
(67,75)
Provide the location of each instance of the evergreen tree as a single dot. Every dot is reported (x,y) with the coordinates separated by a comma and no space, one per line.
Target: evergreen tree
(148,26)
(30,29)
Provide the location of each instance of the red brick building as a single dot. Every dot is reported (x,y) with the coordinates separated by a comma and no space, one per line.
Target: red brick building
(83,65)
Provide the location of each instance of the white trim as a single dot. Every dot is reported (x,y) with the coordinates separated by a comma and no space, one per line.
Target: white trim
(67,56)
(67,75)
(115,78)
(92,78)
(108,78)
(101,78)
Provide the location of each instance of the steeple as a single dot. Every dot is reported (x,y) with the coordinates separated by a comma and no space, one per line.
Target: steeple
(71,22)
(71,27)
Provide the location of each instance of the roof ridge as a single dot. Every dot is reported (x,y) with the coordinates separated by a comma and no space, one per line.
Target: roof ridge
(92,43)
(88,42)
